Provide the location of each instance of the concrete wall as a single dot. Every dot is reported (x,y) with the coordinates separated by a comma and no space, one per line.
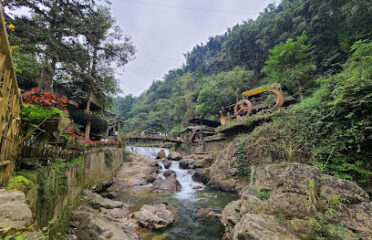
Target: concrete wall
(58,188)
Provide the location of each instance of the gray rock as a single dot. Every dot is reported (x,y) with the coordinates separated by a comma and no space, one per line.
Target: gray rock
(174,156)
(14,211)
(297,177)
(186,163)
(208,214)
(256,227)
(170,184)
(169,173)
(97,201)
(155,217)
(167,164)
(93,225)
(348,191)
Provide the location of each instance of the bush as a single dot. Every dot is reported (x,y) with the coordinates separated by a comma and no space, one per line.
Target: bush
(32,115)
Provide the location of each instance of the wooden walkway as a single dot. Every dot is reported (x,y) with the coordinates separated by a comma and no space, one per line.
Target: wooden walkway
(10,104)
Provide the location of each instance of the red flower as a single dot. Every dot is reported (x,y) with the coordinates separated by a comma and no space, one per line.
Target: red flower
(47,102)
(63,100)
(35,90)
(53,96)
(67,118)
(65,111)
(27,94)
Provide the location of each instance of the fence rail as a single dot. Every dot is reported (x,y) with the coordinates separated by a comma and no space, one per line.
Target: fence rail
(10,104)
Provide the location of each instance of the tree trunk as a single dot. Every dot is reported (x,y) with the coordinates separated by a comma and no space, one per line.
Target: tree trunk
(299,89)
(87,111)
(46,77)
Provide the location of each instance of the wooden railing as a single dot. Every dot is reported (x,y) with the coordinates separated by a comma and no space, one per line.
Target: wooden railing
(10,104)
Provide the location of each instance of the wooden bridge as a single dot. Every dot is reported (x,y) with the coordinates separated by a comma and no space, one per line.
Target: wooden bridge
(10,104)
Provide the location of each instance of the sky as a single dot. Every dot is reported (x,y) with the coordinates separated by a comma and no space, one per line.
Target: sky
(163,30)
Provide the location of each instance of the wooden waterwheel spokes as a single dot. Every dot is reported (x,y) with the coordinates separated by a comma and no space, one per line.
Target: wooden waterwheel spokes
(279,99)
(243,108)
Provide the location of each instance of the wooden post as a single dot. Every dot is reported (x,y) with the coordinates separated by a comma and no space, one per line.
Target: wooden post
(87,111)
(118,129)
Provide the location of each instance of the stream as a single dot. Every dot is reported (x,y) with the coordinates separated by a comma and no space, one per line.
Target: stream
(188,201)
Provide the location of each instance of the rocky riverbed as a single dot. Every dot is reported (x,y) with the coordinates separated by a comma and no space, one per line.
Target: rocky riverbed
(195,198)
(150,199)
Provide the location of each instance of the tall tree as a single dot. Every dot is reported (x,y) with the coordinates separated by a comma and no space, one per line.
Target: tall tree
(50,27)
(289,64)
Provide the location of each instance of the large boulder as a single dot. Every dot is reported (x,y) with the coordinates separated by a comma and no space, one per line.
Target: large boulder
(161,154)
(14,211)
(169,173)
(348,191)
(97,201)
(174,156)
(256,227)
(156,216)
(280,198)
(168,184)
(186,163)
(134,174)
(99,225)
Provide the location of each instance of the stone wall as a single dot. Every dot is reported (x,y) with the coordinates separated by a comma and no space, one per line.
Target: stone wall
(58,187)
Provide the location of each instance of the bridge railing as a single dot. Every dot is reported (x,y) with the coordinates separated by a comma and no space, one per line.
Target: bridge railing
(10,104)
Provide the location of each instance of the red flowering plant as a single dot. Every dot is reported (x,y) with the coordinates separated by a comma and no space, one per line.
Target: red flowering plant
(46,99)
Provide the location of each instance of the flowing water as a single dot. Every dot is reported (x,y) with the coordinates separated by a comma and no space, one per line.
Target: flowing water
(188,201)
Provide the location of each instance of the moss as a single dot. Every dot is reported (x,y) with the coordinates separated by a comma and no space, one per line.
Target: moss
(126,156)
(109,157)
(19,183)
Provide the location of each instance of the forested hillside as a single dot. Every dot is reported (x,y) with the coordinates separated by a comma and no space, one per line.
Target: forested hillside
(234,61)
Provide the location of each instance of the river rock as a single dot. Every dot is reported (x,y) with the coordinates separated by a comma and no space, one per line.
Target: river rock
(161,154)
(288,187)
(109,195)
(156,216)
(14,211)
(186,163)
(208,213)
(170,184)
(97,201)
(169,173)
(134,174)
(256,227)
(94,225)
(102,187)
(167,164)
(152,178)
(174,156)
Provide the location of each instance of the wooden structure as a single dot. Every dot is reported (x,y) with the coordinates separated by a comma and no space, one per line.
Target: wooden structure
(245,107)
(97,103)
(10,104)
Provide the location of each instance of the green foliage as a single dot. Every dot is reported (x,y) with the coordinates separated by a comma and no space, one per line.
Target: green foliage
(32,115)
(19,183)
(126,156)
(263,194)
(109,157)
(289,64)
(175,131)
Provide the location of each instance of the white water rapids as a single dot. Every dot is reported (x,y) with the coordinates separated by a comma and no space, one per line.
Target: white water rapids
(183,176)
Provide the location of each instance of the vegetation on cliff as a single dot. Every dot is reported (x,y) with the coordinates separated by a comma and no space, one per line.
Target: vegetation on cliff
(233,62)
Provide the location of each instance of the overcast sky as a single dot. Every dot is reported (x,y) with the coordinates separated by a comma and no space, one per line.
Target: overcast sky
(163,30)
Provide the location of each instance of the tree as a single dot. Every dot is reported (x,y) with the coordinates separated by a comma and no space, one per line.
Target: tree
(289,64)
(49,31)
